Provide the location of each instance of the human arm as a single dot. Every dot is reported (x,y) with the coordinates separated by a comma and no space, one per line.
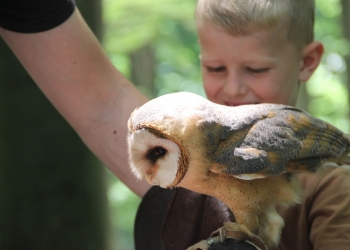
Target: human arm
(70,67)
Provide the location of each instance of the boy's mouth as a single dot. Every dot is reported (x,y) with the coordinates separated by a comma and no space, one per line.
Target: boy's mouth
(233,104)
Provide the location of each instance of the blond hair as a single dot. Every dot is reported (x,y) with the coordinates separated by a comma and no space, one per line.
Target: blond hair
(242,17)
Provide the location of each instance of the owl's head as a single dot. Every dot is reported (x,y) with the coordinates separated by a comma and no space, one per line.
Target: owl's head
(156,156)
(156,151)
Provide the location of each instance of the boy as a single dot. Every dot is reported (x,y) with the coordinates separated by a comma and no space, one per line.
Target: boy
(254,52)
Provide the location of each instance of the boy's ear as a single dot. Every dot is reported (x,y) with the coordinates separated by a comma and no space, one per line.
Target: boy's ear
(311,58)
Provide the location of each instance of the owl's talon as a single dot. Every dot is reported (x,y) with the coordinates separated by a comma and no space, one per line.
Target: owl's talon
(210,241)
(202,245)
(238,232)
(233,231)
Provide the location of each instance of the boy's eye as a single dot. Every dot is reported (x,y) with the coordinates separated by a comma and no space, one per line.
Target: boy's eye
(216,69)
(257,71)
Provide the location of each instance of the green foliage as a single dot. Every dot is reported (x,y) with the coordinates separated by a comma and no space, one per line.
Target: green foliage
(123,205)
(169,28)
(327,88)
(178,68)
(131,24)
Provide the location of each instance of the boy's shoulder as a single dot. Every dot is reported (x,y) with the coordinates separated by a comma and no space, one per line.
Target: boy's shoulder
(326,195)
(313,182)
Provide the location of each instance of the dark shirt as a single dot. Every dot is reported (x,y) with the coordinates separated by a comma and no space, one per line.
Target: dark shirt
(30,16)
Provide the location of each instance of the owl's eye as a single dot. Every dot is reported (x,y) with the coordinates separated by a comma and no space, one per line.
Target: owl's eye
(155,153)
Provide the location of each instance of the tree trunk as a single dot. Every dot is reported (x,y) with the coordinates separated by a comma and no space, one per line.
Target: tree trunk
(52,190)
(143,63)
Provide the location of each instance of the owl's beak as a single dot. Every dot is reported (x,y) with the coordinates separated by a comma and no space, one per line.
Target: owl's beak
(151,172)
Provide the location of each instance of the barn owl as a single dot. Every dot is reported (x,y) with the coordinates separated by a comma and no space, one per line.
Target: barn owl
(245,156)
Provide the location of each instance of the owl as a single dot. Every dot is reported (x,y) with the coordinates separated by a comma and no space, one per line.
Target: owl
(246,156)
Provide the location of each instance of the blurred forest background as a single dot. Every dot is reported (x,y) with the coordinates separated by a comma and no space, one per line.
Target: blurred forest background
(53,193)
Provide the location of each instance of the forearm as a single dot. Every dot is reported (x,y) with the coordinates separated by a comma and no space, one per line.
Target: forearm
(70,67)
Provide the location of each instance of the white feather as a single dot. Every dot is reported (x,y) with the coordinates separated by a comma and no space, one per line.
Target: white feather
(139,143)
(249,177)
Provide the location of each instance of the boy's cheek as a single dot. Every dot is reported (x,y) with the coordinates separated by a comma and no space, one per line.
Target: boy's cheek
(210,90)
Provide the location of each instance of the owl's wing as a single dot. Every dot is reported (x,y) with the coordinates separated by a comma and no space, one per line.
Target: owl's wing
(287,139)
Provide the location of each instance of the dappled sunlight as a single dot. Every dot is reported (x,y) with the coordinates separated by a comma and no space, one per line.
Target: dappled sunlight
(329,98)
(123,204)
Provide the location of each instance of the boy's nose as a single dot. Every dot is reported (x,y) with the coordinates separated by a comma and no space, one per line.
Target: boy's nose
(234,86)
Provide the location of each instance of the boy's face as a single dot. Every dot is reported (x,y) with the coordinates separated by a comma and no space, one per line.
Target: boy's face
(258,68)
